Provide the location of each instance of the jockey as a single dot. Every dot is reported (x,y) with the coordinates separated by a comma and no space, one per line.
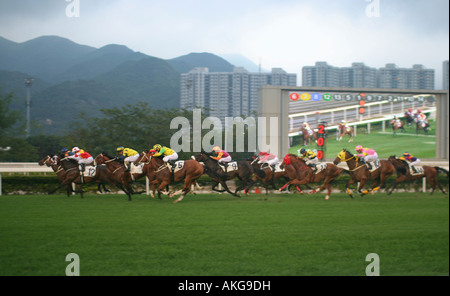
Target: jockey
(222,157)
(409,112)
(344,125)
(309,157)
(169,155)
(412,160)
(128,156)
(367,155)
(82,157)
(308,128)
(269,158)
(66,152)
(397,121)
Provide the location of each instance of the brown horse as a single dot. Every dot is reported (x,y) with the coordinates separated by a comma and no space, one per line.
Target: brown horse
(55,163)
(307,137)
(117,173)
(158,173)
(305,174)
(269,176)
(404,174)
(73,175)
(360,173)
(239,169)
(400,125)
(345,131)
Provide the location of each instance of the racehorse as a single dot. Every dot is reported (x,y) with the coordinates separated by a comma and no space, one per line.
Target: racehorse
(345,131)
(117,173)
(360,173)
(409,118)
(400,125)
(269,175)
(404,174)
(55,163)
(422,125)
(158,173)
(240,169)
(307,136)
(305,174)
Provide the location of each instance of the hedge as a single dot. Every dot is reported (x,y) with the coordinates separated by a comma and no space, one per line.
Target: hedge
(38,184)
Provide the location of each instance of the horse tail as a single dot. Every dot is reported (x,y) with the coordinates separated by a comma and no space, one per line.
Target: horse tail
(259,172)
(438,169)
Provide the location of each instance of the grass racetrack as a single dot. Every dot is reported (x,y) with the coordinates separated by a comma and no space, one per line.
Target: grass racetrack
(217,234)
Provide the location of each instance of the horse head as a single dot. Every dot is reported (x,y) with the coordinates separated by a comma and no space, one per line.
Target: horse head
(45,161)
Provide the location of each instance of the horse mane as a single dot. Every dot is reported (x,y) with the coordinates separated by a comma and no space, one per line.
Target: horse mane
(400,169)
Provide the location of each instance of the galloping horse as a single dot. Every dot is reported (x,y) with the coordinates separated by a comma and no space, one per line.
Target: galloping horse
(397,125)
(117,173)
(345,131)
(409,118)
(307,136)
(241,169)
(404,174)
(269,175)
(55,163)
(305,174)
(158,173)
(360,173)
(422,125)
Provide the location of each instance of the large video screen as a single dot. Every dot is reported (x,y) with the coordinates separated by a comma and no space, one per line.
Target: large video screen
(390,123)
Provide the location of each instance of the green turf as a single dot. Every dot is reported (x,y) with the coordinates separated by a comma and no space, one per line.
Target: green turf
(422,146)
(212,234)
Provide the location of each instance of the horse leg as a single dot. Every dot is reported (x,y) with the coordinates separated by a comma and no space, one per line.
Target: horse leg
(351,182)
(187,187)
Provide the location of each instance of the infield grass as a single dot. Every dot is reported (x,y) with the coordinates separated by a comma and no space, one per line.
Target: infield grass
(212,234)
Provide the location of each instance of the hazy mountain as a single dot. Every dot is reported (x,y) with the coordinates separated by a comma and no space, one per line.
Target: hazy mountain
(70,78)
(241,61)
(44,57)
(187,62)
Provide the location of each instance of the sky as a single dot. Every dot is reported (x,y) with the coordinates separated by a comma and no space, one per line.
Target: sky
(286,34)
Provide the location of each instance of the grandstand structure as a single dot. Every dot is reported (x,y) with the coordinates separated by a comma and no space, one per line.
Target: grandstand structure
(295,105)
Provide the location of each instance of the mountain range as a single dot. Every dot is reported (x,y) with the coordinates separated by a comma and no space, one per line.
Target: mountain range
(70,78)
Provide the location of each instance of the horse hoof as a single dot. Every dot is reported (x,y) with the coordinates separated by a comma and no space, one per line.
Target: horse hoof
(327,197)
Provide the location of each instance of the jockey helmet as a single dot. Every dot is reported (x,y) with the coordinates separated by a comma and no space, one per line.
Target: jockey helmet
(216,148)
(406,154)
(120,148)
(263,153)
(64,150)
(302,151)
(75,149)
(157,147)
(409,109)
(359,147)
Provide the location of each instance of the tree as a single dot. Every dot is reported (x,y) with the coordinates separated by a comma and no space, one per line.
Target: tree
(12,128)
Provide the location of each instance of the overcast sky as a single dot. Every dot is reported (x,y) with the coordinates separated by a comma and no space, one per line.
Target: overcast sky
(278,33)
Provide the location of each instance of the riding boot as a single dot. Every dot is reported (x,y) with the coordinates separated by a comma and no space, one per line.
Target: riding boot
(272,166)
(127,166)
(414,169)
(172,165)
(82,167)
(369,166)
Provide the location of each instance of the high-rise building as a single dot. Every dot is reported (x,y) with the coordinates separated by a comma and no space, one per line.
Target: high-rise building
(228,94)
(445,74)
(362,76)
